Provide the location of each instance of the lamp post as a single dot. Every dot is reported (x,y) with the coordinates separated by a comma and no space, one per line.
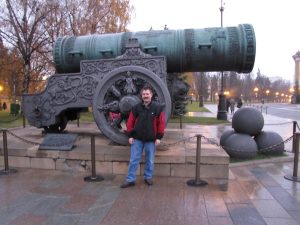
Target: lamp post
(256,92)
(222,113)
(267,92)
(292,99)
(1,89)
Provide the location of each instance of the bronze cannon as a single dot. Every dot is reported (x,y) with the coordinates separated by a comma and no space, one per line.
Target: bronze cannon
(107,71)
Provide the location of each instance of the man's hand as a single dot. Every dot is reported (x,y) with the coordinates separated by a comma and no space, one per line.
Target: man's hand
(131,140)
(157,142)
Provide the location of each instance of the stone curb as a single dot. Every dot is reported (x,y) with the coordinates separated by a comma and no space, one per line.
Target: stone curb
(289,158)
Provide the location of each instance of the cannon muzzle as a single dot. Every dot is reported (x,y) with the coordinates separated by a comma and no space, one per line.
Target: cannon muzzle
(188,50)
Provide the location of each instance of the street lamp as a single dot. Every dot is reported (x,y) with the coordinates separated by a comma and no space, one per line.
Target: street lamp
(276,94)
(222,113)
(255,92)
(291,99)
(226,93)
(268,92)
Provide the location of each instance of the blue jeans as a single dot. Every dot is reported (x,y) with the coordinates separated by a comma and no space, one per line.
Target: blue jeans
(136,152)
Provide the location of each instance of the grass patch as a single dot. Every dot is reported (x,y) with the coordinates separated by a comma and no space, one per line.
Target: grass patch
(194,107)
(259,156)
(198,120)
(8,120)
(87,117)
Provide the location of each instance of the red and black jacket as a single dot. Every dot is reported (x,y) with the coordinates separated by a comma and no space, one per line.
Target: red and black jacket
(146,123)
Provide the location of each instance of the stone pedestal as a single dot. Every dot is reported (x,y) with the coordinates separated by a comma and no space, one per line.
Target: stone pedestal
(172,160)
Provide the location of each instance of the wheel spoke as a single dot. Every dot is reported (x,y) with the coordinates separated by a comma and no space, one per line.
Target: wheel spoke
(115,92)
(109,107)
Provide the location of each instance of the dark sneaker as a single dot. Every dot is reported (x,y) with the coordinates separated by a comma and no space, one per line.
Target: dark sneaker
(127,184)
(149,182)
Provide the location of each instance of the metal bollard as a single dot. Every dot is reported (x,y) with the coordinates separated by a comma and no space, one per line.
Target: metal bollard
(294,136)
(295,177)
(197,182)
(180,121)
(24,120)
(93,177)
(5,156)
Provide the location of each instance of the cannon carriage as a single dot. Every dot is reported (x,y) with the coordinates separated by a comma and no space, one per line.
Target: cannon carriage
(106,72)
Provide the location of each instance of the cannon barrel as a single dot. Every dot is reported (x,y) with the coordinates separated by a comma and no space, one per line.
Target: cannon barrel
(188,50)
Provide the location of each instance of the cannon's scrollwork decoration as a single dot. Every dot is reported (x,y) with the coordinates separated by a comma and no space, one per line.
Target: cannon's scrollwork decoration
(44,109)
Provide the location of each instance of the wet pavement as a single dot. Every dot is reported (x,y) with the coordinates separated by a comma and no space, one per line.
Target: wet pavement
(254,194)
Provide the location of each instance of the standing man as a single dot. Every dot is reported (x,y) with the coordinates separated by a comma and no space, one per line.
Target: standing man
(145,127)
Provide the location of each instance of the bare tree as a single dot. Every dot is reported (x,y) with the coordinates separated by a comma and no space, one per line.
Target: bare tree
(214,80)
(32,26)
(21,27)
(201,79)
(10,72)
(97,16)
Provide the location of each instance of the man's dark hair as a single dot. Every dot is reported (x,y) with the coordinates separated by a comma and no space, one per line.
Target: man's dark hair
(147,87)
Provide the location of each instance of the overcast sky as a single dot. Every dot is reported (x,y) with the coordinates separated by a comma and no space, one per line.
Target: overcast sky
(276,24)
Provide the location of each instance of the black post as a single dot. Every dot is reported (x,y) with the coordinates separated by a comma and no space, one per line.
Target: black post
(5,156)
(222,112)
(93,177)
(77,122)
(24,120)
(295,177)
(180,121)
(197,182)
(294,136)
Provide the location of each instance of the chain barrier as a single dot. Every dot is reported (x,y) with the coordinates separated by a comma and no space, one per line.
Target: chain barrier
(283,123)
(189,119)
(36,143)
(187,139)
(12,120)
(23,139)
(214,142)
(183,140)
(263,150)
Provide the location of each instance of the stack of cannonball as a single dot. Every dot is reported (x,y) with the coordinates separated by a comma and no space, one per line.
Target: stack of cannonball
(247,138)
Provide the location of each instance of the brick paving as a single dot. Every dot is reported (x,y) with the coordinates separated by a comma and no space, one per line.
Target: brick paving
(254,194)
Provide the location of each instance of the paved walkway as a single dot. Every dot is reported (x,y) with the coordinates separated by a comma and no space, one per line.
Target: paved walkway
(254,194)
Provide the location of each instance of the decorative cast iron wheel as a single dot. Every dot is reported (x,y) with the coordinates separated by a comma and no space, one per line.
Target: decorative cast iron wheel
(118,92)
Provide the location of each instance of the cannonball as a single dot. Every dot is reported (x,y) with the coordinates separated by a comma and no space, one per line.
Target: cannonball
(240,146)
(266,139)
(225,135)
(248,121)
